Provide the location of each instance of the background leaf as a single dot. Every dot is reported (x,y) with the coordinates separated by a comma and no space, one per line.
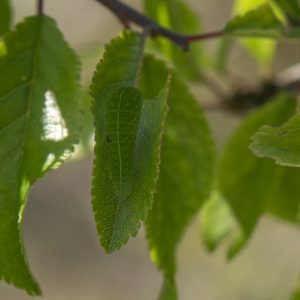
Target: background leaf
(186,172)
(5,16)
(296,293)
(39,119)
(279,143)
(176,15)
(254,186)
(259,22)
(217,221)
(128,138)
(168,291)
(262,50)
(291,8)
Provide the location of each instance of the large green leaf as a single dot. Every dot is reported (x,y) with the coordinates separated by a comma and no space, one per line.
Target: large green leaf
(5,16)
(185,180)
(128,138)
(39,119)
(176,15)
(279,143)
(254,186)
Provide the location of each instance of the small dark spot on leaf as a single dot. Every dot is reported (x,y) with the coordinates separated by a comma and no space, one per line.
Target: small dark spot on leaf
(108,139)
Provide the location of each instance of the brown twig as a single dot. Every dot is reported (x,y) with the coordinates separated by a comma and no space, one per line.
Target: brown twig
(125,12)
(40,7)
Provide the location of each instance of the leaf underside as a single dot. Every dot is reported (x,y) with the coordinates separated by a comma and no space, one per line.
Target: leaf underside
(39,119)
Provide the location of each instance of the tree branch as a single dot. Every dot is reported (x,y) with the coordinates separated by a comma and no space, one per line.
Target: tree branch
(128,14)
(241,101)
(40,7)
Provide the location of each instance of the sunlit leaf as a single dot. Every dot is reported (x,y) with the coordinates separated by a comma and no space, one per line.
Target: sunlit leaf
(254,186)
(260,22)
(186,173)
(262,50)
(217,221)
(128,137)
(5,16)
(39,120)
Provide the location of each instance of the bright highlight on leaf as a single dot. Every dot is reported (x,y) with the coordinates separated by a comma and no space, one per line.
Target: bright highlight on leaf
(39,121)
(128,140)
(254,186)
(217,221)
(54,124)
(186,173)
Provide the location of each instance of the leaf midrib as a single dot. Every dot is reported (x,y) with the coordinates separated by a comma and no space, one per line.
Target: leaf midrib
(120,175)
(31,85)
